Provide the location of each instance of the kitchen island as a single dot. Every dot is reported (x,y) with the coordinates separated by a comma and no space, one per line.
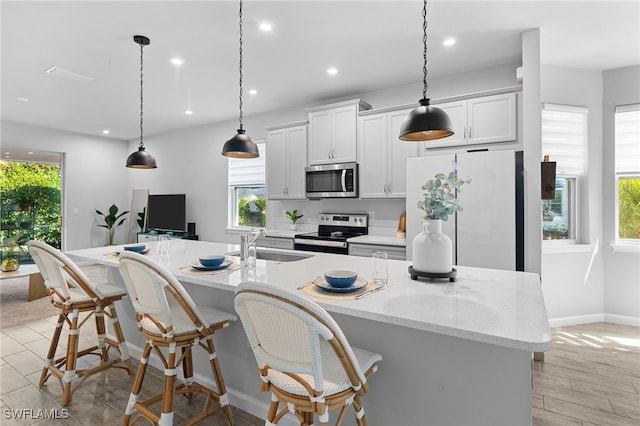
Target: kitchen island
(453,353)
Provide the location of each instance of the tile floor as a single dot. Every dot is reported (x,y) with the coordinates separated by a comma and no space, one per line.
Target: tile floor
(99,401)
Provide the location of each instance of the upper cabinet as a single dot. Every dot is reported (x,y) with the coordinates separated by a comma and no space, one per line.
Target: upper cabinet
(287,148)
(482,120)
(333,132)
(382,154)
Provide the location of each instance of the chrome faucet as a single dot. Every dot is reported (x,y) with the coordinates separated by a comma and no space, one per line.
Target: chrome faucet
(248,247)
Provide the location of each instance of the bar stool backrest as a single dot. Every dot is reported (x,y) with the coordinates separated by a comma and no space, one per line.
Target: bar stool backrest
(155,293)
(61,274)
(294,335)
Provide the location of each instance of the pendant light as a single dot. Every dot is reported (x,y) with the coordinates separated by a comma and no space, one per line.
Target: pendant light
(141,159)
(425,122)
(241,145)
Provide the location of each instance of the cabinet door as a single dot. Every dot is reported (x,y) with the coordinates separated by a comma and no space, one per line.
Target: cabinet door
(486,228)
(399,151)
(492,119)
(320,135)
(457,112)
(296,161)
(276,170)
(344,134)
(373,156)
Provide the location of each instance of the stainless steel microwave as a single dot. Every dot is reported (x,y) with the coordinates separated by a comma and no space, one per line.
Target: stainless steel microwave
(332,181)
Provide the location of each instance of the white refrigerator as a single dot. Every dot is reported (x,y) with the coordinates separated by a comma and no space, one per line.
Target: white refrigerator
(488,233)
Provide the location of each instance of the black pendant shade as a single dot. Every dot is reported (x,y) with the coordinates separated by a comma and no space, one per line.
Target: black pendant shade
(240,146)
(426,122)
(141,159)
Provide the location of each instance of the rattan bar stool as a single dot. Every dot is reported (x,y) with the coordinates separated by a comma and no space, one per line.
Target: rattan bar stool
(169,319)
(303,357)
(75,295)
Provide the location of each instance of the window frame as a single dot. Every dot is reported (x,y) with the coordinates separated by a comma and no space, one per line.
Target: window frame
(233,203)
(575,177)
(622,174)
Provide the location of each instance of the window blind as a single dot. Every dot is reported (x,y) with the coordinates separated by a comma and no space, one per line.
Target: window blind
(627,124)
(564,137)
(248,171)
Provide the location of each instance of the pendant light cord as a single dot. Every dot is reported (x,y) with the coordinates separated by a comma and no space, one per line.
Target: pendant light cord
(141,95)
(424,42)
(240,65)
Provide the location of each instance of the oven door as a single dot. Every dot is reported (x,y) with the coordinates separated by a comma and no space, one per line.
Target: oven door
(322,246)
(332,181)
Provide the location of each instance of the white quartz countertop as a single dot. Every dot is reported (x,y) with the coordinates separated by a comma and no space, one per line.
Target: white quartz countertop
(281,233)
(379,240)
(503,308)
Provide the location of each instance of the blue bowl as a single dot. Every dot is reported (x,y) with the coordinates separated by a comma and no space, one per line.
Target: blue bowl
(340,279)
(212,260)
(138,249)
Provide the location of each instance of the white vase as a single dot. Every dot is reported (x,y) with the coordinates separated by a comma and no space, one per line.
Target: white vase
(432,250)
(293,227)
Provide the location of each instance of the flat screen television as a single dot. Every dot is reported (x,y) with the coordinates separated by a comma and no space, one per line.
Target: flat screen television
(166,213)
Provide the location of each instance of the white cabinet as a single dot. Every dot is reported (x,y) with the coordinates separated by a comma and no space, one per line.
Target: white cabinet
(287,148)
(333,132)
(382,155)
(482,120)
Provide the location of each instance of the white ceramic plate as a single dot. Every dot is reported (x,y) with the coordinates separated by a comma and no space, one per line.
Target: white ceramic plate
(323,285)
(200,267)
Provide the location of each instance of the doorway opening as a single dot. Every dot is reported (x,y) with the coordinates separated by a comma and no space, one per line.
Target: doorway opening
(31,203)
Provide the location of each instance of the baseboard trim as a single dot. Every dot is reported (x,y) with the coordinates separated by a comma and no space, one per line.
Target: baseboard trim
(238,399)
(588,319)
(576,320)
(621,319)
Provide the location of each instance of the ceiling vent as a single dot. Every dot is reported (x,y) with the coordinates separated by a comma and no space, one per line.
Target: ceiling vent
(70,75)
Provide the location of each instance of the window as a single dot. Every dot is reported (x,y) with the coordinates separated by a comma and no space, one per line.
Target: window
(564,140)
(247,191)
(627,142)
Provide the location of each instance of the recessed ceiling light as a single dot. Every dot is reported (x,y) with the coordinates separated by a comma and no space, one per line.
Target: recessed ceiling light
(265,26)
(449,41)
(188,111)
(30,152)
(177,61)
(332,71)
(106,131)
(23,99)
(253,92)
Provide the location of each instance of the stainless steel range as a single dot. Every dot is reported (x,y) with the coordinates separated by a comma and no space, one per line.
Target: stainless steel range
(333,231)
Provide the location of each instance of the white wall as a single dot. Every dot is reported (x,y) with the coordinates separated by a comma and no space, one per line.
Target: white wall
(189,160)
(94,178)
(572,282)
(622,270)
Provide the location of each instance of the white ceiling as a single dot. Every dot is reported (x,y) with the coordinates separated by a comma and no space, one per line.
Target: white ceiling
(374,44)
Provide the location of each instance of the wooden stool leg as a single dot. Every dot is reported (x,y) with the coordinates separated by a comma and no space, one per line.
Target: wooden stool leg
(70,374)
(187,370)
(166,416)
(137,384)
(101,330)
(122,344)
(217,375)
(361,420)
(51,355)
(273,409)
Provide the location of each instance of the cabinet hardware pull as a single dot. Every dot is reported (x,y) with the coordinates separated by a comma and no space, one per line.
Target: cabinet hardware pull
(469,132)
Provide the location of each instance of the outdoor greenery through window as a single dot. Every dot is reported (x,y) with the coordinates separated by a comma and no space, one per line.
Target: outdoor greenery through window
(30,207)
(564,140)
(247,191)
(627,124)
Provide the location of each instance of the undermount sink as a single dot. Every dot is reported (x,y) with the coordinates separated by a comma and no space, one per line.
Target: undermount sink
(276,256)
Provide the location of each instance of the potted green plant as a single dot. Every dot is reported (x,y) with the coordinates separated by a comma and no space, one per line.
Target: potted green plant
(293,216)
(112,221)
(433,250)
